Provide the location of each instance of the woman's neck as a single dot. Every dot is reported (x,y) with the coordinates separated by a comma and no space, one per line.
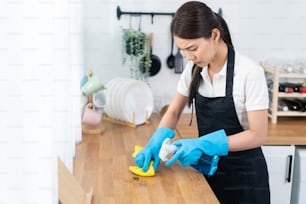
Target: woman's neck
(217,63)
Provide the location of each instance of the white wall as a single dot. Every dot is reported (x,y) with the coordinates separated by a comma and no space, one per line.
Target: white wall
(40,116)
(261,29)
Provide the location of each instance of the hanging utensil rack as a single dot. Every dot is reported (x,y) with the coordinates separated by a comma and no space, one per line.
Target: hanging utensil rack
(152,14)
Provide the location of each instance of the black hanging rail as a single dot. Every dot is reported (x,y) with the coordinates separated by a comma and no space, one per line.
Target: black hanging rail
(152,14)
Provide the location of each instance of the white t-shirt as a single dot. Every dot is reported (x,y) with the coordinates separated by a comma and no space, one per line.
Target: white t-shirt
(249,86)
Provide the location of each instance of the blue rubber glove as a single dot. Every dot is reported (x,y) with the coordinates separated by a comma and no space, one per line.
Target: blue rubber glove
(190,150)
(151,150)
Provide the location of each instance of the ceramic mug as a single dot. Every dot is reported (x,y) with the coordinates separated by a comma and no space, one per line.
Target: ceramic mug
(92,85)
(91,116)
(99,99)
(84,80)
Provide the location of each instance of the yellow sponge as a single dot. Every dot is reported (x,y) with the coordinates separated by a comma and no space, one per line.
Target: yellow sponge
(138,171)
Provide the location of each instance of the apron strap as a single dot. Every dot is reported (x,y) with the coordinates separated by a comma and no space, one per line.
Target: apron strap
(230,71)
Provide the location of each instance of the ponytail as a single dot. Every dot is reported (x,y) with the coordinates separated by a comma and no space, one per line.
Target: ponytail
(226,36)
(195,83)
(193,89)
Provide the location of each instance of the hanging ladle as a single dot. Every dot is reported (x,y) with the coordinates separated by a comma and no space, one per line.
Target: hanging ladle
(171,58)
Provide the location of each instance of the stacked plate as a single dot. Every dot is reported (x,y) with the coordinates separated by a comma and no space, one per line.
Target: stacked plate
(129,100)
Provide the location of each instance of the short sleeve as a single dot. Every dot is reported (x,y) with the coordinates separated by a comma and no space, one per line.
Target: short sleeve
(185,80)
(256,89)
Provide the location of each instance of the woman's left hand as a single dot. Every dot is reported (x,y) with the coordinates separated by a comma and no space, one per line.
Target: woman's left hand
(190,150)
(187,154)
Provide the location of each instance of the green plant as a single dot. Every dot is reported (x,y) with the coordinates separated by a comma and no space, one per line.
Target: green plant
(136,53)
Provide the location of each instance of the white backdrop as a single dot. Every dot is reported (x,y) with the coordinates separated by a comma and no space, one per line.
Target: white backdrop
(40,60)
(260,29)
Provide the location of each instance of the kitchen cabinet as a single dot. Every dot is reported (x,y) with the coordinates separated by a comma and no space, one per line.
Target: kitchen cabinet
(298,193)
(280,161)
(277,75)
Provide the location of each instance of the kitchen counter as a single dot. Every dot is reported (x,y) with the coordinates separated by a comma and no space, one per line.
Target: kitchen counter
(102,161)
(287,131)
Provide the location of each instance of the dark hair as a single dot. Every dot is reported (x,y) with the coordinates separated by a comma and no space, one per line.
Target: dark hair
(193,20)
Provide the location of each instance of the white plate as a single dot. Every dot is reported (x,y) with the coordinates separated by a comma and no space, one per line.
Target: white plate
(122,96)
(110,94)
(116,88)
(129,100)
(138,102)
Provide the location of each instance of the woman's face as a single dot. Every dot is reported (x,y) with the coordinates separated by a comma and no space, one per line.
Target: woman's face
(200,50)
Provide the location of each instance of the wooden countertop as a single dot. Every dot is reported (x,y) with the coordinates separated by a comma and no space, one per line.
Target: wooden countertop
(102,161)
(287,131)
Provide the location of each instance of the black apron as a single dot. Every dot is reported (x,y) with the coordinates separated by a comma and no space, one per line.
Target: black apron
(241,177)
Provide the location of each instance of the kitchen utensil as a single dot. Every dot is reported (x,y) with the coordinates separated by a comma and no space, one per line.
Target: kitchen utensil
(220,12)
(179,62)
(171,58)
(155,61)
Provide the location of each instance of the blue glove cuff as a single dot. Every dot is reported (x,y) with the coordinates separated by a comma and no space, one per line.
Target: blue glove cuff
(166,132)
(216,142)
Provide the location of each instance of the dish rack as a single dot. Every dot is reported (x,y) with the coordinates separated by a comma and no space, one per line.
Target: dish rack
(123,122)
(274,113)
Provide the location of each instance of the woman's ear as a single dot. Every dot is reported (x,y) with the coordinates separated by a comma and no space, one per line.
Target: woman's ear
(215,34)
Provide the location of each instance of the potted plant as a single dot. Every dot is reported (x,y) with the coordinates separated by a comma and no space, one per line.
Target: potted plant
(136,53)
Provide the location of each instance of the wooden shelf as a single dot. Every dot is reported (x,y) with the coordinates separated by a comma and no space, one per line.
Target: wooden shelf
(292,95)
(277,75)
(290,113)
(289,95)
(292,75)
(275,70)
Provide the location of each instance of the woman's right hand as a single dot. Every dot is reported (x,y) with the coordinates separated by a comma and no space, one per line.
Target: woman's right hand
(151,150)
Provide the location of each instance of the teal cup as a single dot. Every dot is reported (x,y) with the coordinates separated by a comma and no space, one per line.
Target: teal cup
(91,86)
(84,80)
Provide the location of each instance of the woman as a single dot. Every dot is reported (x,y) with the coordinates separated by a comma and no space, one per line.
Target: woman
(230,97)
